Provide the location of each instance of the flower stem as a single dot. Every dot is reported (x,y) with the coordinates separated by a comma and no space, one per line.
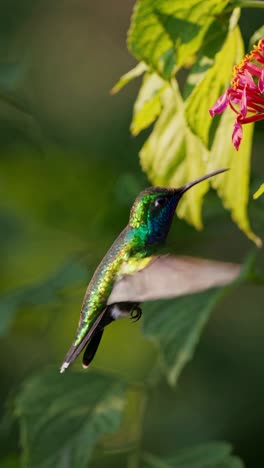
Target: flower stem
(249,3)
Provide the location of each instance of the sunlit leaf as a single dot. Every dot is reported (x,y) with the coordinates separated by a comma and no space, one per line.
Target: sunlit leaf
(140,68)
(217,78)
(176,326)
(39,294)
(213,42)
(166,34)
(63,417)
(213,455)
(148,103)
(233,186)
(173,156)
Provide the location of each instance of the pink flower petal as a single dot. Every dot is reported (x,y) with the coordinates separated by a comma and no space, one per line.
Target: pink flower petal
(251,69)
(261,81)
(243,102)
(245,96)
(248,79)
(220,105)
(237,134)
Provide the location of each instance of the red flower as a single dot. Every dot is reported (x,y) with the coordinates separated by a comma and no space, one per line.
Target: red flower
(245,95)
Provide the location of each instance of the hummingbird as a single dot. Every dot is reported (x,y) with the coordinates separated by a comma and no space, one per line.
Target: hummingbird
(133,253)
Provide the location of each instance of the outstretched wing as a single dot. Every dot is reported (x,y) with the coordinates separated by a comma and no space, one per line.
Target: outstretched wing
(75,350)
(169,276)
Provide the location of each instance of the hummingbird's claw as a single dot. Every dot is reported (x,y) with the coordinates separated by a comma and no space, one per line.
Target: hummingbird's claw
(135,313)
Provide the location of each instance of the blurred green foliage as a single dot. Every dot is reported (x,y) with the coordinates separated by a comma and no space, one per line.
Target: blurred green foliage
(214,455)
(68,175)
(67,416)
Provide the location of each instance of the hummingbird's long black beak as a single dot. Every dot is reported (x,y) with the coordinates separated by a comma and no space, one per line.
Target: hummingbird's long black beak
(184,188)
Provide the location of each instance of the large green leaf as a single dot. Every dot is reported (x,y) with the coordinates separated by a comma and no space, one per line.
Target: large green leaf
(214,41)
(166,34)
(176,325)
(213,455)
(63,417)
(206,93)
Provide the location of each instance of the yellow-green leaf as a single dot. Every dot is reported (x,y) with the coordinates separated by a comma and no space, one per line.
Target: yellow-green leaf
(233,186)
(213,42)
(148,103)
(167,33)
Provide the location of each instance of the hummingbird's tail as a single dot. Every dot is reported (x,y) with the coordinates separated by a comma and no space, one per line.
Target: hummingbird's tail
(93,338)
(91,348)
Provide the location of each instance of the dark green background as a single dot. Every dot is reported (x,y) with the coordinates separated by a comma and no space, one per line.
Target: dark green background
(68,174)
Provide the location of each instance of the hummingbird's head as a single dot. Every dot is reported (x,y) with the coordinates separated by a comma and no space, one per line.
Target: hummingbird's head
(153,210)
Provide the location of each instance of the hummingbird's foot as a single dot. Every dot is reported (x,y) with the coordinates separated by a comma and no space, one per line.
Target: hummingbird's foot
(135,313)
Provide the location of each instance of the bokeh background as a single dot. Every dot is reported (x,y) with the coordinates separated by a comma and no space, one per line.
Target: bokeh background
(69,172)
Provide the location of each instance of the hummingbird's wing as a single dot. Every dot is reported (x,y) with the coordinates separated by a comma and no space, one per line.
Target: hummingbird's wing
(74,350)
(169,276)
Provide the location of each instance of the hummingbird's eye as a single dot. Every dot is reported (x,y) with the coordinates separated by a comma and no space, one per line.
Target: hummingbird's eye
(160,201)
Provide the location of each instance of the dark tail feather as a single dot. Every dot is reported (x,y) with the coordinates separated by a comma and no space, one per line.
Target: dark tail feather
(91,348)
(74,350)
